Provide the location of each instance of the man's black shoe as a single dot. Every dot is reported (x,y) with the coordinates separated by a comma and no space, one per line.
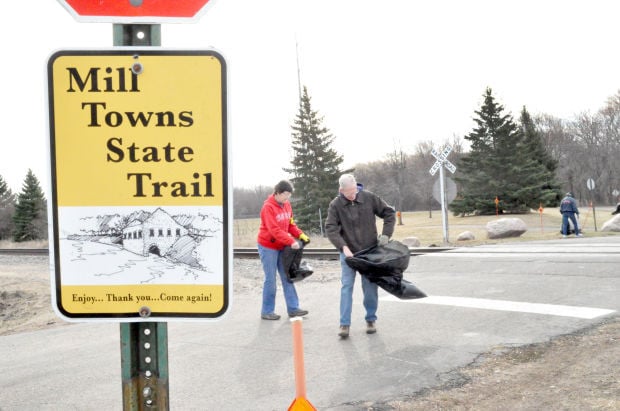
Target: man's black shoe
(298,313)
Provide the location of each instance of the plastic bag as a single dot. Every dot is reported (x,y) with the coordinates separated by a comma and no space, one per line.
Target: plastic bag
(295,268)
(384,266)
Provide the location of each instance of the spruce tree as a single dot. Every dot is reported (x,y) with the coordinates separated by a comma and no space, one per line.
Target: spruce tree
(480,175)
(543,188)
(30,211)
(315,167)
(506,162)
(7,208)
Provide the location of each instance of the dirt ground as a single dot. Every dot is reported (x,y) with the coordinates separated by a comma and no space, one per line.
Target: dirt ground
(572,372)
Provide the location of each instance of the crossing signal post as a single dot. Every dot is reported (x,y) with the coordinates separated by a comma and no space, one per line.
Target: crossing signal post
(442,161)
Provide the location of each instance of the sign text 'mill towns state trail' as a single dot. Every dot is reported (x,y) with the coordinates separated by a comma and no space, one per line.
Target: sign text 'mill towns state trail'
(100,114)
(139,172)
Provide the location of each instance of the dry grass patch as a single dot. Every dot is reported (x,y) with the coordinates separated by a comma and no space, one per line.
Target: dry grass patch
(26,244)
(428,228)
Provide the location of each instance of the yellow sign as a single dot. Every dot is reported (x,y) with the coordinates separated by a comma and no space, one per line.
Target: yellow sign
(140,188)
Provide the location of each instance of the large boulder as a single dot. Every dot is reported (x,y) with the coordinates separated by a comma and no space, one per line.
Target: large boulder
(612,224)
(411,241)
(466,236)
(506,227)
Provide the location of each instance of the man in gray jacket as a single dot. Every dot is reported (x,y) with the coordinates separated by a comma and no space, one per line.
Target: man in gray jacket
(351,227)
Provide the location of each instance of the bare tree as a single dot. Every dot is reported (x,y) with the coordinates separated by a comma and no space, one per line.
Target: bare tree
(397,165)
(248,201)
(610,123)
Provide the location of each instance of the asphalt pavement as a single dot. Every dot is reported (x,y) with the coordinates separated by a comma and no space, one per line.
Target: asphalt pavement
(479,298)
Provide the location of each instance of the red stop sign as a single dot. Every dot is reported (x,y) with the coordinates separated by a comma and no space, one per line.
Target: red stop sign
(136,11)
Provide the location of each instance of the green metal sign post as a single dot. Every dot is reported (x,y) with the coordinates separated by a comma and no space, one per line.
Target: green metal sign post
(144,346)
(201,199)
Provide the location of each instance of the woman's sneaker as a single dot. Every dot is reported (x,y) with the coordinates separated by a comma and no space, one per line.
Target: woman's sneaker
(344,331)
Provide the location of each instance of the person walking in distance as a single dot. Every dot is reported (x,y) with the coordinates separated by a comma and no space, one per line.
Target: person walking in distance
(278,230)
(351,227)
(568,208)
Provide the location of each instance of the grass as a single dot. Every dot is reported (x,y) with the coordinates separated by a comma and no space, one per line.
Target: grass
(428,228)
(26,244)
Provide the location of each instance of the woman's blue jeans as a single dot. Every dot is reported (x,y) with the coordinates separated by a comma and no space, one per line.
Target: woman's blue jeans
(370,290)
(271,262)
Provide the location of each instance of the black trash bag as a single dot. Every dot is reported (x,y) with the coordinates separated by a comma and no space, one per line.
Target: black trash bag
(398,287)
(295,268)
(570,230)
(377,261)
(384,266)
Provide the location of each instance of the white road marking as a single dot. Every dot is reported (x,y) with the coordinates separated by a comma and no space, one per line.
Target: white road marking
(500,305)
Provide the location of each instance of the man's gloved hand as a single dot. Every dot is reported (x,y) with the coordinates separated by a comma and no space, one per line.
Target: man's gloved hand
(383,239)
(303,237)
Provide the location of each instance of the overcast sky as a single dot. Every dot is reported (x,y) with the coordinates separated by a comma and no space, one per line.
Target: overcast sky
(384,74)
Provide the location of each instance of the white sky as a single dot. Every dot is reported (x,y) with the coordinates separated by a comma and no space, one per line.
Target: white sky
(384,74)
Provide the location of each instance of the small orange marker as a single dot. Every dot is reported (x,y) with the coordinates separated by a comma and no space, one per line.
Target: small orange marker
(300,403)
(540,211)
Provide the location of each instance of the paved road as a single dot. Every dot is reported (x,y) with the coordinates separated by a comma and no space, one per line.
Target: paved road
(480,298)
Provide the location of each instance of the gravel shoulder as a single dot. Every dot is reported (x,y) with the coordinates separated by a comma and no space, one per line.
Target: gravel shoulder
(572,372)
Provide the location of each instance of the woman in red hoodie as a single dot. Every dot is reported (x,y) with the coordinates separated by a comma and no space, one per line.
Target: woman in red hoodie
(278,230)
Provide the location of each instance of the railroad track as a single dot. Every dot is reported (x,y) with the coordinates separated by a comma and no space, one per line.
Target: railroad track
(249,252)
(23,251)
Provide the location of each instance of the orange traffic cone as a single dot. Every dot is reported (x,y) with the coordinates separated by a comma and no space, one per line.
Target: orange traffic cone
(300,403)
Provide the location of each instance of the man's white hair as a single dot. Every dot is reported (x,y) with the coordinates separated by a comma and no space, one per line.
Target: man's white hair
(347,180)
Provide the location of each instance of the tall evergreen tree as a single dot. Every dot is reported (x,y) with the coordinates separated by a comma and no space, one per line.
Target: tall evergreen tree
(480,174)
(543,188)
(7,208)
(30,211)
(499,165)
(315,167)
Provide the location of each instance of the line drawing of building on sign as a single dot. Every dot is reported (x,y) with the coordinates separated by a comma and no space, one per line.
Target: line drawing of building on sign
(157,234)
(184,239)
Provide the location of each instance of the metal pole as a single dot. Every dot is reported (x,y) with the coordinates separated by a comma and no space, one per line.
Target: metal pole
(137,34)
(144,345)
(444,211)
(144,366)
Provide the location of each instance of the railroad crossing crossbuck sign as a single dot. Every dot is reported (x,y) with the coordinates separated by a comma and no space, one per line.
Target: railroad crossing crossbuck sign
(442,159)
